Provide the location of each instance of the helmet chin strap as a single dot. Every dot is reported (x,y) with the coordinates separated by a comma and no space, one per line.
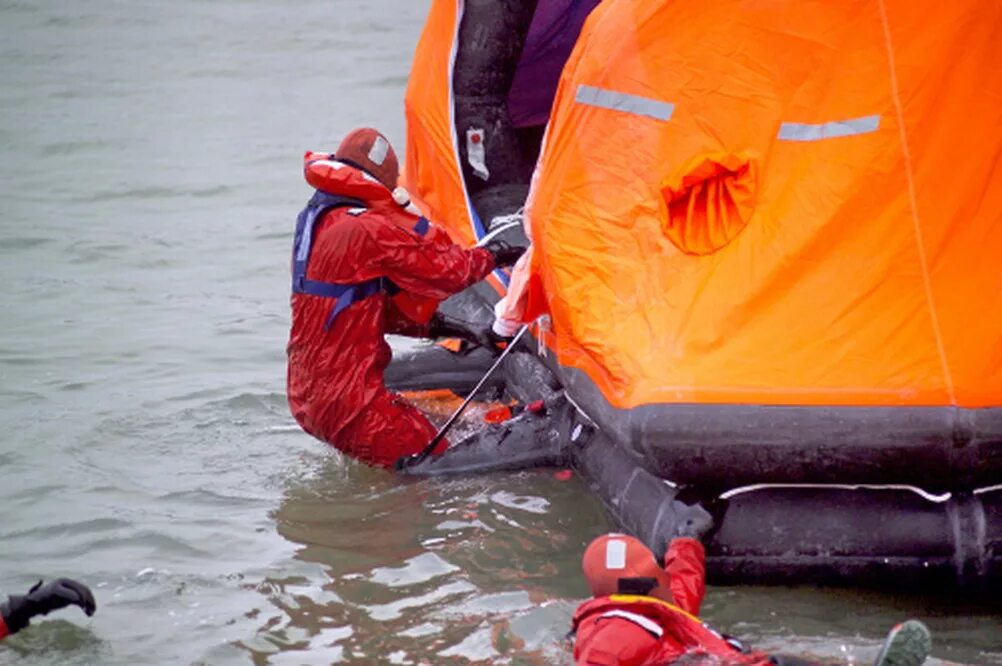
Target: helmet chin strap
(640,585)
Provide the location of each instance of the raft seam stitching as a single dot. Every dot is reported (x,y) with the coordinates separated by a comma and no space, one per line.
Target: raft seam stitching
(913,202)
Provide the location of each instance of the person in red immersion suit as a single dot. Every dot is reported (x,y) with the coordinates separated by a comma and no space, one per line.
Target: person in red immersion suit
(364,266)
(18,610)
(646,615)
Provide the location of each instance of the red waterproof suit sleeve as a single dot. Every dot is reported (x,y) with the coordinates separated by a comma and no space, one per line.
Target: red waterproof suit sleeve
(685,563)
(421,266)
(4,631)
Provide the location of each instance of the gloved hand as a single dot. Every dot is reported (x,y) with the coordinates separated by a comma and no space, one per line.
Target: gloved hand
(442,326)
(693,521)
(505,254)
(43,599)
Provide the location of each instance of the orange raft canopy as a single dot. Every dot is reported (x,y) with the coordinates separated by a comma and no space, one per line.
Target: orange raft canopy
(773,225)
(795,203)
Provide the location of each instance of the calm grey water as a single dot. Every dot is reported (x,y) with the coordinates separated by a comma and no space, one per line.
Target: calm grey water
(149,176)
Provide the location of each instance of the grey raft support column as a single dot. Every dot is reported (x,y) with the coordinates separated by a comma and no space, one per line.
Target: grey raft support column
(492,35)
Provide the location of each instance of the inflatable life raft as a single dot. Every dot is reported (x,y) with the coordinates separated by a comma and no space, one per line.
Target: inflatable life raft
(767,267)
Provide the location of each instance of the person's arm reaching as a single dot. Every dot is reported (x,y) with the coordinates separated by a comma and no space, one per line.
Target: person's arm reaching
(685,564)
(425,267)
(510,310)
(17,611)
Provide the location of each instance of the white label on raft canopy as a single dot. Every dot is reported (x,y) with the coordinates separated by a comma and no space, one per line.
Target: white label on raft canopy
(476,154)
(615,554)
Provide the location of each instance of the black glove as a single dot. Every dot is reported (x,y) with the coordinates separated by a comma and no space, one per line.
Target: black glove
(504,253)
(43,599)
(442,326)
(693,521)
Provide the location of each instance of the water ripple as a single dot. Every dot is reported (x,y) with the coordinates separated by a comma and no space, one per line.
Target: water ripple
(61,530)
(23,242)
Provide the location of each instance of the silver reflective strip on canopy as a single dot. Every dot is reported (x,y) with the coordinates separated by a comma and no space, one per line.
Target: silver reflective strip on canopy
(617,101)
(834,129)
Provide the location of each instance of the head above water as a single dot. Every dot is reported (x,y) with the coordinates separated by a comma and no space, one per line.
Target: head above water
(621,564)
(370,151)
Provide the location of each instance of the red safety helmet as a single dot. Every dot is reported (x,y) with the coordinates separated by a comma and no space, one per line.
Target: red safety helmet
(621,564)
(370,151)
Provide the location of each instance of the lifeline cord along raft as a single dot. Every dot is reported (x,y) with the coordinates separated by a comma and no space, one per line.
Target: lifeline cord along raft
(768,279)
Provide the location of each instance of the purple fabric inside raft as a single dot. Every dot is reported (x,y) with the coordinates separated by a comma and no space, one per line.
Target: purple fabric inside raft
(554,30)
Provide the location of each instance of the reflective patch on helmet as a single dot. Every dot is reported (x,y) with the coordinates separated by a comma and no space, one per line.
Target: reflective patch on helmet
(615,554)
(380,147)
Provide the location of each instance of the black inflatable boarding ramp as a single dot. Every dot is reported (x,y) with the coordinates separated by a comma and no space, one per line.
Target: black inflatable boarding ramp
(530,440)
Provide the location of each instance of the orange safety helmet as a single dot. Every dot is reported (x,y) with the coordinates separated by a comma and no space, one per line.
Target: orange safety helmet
(370,151)
(621,564)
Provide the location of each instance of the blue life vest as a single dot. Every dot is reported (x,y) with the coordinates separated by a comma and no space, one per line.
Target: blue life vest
(344,293)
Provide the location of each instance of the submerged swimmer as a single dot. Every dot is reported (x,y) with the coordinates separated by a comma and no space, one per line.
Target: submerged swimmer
(18,610)
(364,266)
(645,615)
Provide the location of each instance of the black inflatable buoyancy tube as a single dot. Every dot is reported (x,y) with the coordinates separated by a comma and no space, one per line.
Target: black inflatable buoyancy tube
(803,534)
(820,535)
(492,35)
(723,446)
(864,535)
(429,367)
(425,368)
(640,503)
(526,379)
